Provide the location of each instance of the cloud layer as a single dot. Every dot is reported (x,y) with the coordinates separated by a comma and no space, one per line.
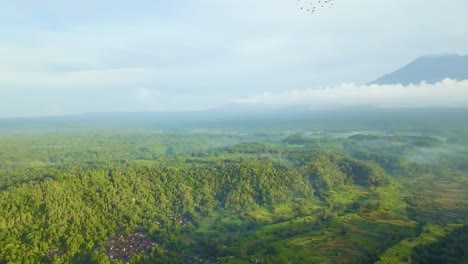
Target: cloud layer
(447,93)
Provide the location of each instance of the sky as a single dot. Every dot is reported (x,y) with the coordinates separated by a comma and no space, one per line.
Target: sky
(71,57)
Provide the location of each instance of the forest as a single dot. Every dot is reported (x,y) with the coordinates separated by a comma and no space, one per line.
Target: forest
(145,195)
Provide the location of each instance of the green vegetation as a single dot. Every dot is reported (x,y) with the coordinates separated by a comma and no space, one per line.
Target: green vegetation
(280,197)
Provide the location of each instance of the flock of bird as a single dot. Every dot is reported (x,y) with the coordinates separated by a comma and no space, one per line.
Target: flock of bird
(311,6)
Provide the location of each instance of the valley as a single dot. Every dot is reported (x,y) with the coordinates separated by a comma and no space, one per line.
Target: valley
(279,197)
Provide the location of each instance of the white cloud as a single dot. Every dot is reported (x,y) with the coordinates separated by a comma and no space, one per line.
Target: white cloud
(78,79)
(148,99)
(447,93)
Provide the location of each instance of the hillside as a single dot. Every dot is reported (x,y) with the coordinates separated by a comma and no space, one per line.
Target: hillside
(430,69)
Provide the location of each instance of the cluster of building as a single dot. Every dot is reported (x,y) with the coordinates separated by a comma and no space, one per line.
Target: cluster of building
(122,247)
(182,221)
(52,253)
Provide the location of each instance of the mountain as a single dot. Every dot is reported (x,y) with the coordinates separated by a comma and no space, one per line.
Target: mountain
(430,69)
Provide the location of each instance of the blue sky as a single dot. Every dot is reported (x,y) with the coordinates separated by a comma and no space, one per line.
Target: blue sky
(72,57)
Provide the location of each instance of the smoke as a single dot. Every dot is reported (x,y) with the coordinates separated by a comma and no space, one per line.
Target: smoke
(446,93)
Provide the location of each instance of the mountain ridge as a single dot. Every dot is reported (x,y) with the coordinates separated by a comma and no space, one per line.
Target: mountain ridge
(430,69)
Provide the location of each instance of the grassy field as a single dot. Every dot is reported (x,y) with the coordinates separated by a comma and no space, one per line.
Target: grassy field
(401,252)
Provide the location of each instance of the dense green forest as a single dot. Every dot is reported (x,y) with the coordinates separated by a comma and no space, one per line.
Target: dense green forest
(285,196)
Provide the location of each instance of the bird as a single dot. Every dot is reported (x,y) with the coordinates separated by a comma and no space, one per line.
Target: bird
(314,5)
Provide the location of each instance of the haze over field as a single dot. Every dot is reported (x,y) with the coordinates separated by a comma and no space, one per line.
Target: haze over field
(61,58)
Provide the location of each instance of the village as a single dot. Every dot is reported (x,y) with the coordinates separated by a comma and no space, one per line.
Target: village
(122,247)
